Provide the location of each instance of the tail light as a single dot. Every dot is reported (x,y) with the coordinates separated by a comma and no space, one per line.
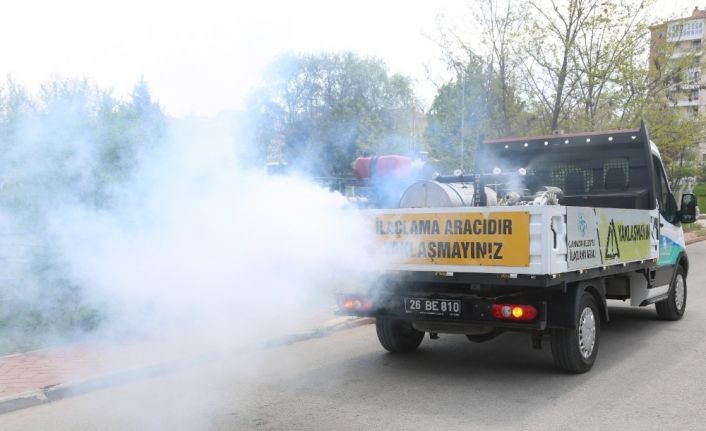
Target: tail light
(519,312)
(354,304)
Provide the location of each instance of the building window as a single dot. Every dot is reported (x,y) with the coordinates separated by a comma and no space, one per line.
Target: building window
(694,95)
(686,30)
(703,157)
(693,75)
(696,44)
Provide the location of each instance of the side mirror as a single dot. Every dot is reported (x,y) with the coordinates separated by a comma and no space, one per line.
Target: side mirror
(687,214)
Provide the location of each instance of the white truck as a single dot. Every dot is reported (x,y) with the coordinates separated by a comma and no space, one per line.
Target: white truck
(537,240)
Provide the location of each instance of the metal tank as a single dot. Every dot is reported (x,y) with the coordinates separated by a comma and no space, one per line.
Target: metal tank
(434,194)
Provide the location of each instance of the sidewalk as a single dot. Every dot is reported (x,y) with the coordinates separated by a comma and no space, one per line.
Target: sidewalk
(24,372)
(692,237)
(31,378)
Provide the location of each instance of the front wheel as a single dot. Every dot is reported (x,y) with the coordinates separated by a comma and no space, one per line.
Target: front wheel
(674,306)
(397,336)
(575,350)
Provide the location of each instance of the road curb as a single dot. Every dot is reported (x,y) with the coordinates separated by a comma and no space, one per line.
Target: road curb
(64,390)
(693,240)
(22,401)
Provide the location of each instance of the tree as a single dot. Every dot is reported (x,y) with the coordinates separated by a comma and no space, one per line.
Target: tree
(500,26)
(126,131)
(608,47)
(574,65)
(650,91)
(677,137)
(482,98)
(460,112)
(321,111)
(552,29)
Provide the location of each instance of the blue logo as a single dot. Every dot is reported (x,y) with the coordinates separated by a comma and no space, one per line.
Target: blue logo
(664,247)
(582,225)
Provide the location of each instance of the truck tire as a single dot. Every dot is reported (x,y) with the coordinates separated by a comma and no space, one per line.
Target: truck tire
(575,350)
(397,336)
(674,306)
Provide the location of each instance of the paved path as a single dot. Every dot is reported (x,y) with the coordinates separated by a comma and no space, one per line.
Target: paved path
(29,372)
(650,375)
(25,372)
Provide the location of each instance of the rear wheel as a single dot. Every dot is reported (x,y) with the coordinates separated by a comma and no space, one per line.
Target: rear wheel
(397,336)
(575,350)
(674,306)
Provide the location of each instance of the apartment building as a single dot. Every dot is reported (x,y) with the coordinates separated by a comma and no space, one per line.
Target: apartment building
(677,50)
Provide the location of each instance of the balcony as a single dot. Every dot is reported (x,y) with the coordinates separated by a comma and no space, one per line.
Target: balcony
(687,102)
(680,54)
(682,37)
(688,86)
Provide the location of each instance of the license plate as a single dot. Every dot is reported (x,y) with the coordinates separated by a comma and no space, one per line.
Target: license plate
(433,307)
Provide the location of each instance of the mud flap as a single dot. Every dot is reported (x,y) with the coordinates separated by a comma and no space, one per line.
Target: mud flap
(562,309)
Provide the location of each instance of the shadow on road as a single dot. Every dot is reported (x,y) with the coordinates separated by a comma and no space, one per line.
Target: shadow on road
(452,373)
(511,353)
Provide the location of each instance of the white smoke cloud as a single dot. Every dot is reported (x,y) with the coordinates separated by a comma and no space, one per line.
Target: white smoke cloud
(200,243)
(194,252)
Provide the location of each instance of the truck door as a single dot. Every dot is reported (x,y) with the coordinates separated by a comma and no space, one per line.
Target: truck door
(671,236)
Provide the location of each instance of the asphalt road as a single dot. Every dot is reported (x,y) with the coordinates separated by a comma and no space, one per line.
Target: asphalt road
(649,375)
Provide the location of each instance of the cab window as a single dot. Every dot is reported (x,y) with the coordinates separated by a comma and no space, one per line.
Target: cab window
(662,192)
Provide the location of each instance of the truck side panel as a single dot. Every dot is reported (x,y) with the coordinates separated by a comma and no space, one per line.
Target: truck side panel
(537,240)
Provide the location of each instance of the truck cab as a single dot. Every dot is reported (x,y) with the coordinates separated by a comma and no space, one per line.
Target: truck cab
(537,240)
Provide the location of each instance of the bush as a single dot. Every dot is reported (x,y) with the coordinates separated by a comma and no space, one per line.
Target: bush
(700,192)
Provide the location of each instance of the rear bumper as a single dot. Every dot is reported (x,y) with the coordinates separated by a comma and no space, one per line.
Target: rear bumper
(475,312)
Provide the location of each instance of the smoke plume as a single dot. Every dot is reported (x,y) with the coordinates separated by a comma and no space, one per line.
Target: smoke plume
(200,243)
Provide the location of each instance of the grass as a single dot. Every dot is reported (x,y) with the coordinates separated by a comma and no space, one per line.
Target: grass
(697,228)
(694,227)
(700,192)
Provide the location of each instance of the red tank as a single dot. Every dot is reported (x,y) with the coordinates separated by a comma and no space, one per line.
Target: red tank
(382,166)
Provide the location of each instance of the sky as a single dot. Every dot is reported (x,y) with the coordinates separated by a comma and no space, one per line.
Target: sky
(203,57)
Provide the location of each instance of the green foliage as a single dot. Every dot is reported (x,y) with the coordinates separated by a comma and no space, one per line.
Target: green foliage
(696,228)
(700,192)
(677,137)
(319,112)
(578,65)
(71,143)
(474,105)
(610,61)
(460,111)
(575,65)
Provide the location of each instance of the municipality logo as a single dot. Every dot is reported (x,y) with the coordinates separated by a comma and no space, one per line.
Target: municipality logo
(582,225)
